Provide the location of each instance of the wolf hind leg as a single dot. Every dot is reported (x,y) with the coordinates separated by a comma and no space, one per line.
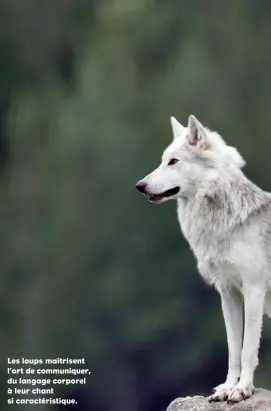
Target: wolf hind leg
(267,304)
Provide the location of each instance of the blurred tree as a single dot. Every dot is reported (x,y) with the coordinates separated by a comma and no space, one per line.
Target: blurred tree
(89,268)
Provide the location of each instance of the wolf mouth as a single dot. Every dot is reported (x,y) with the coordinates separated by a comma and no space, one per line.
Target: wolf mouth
(165,194)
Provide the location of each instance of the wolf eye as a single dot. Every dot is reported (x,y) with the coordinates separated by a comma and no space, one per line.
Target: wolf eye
(172,161)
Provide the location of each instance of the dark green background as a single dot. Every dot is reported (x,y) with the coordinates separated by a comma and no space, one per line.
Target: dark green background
(88,266)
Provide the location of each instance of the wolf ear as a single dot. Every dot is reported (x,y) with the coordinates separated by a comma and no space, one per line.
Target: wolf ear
(196,131)
(177,128)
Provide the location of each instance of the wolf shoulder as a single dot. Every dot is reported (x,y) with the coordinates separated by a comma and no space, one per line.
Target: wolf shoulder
(235,256)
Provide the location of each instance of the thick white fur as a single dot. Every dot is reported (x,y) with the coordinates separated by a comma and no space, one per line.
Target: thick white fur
(227,221)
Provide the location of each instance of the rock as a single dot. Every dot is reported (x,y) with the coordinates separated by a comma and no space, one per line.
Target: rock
(260,401)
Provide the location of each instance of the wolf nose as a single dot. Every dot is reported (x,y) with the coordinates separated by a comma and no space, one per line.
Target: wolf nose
(141,186)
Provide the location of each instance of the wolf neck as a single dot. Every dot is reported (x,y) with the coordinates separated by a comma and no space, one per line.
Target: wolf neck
(219,208)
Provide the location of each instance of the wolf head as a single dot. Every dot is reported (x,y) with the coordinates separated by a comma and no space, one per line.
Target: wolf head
(195,157)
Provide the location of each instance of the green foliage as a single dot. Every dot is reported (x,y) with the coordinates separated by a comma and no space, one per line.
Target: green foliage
(88,267)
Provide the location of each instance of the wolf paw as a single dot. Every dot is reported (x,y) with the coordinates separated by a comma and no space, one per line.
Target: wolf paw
(240,393)
(221,392)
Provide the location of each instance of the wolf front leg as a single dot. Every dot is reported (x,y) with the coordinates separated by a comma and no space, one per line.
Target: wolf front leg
(254,297)
(232,307)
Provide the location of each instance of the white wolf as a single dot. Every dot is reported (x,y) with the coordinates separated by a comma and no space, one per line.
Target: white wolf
(227,221)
